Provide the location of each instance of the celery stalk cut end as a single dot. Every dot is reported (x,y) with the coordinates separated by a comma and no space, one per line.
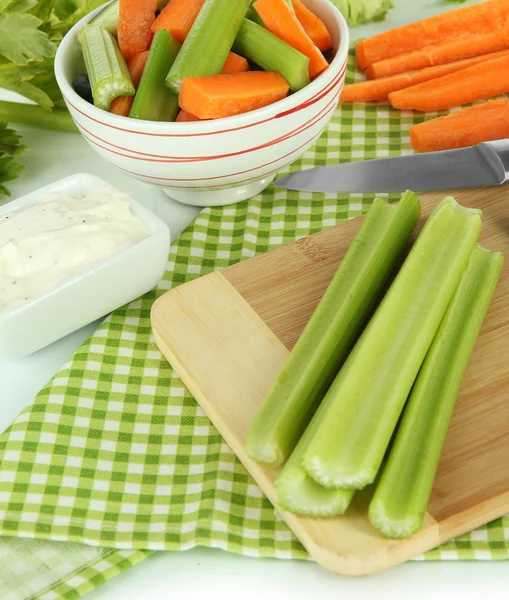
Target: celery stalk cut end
(301,495)
(392,528)
(265,453)
(328,477)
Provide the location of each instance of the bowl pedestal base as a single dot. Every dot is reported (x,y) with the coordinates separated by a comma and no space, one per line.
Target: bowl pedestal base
(219,196)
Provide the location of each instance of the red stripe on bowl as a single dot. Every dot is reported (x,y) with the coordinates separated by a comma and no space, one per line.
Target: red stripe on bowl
(169,158)
(151,159)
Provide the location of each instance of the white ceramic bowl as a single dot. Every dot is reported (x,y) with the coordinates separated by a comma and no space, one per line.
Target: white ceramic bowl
(91,293)
(211,163)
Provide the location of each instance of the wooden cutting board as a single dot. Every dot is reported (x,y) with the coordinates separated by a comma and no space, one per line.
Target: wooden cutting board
(228,334)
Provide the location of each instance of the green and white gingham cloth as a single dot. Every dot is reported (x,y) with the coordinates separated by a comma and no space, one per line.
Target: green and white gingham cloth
(115,452)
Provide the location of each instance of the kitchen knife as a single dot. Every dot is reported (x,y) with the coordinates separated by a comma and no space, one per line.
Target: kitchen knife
(483,165)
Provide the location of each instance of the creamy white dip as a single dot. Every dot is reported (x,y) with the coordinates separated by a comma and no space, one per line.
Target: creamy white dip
(61,236)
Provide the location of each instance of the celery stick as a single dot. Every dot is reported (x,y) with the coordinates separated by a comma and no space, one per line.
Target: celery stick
(209,41)
(153,100)
(298,493)
(106,67)
(31,114)
(327,338)
(399,504)
(357,424)
(265,49)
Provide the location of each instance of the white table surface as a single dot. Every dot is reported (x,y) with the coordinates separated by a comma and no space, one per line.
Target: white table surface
(215,573)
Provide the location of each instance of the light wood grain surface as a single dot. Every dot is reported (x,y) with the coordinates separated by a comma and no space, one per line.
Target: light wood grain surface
(227,334)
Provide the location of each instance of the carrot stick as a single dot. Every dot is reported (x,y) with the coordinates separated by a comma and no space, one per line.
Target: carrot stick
(134,21)
(178,17)
(457,48)
(185,117)
(217,96)
(467,127)
(235,63)
(378,90)
(279,20)
(479,18)
(484,80)
(121,105)
(313,26)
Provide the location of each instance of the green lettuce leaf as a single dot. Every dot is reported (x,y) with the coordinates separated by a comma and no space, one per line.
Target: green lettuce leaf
(357,12)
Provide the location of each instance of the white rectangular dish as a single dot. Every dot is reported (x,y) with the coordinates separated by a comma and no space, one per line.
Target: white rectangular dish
(94,291)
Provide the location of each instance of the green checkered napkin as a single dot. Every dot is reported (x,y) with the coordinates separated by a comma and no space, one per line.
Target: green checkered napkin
(115,452)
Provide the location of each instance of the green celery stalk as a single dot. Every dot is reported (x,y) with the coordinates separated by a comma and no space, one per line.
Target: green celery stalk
(356,425)
(265,49)
(298,493)
(399,504)
(31,114)
(153,100)
(209,41)
(332,329)
(106,67)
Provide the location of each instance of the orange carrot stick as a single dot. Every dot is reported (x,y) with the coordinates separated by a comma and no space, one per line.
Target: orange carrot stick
(185,117)
(479,18)
(121,105)
(235,63)
(457,48)
(135,18)
(178,17)
(313,26)
(484,80)
(467,127)
(217,96)
(378,90)
(279,20)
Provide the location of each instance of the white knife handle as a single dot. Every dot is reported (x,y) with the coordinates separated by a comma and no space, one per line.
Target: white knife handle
(497,153)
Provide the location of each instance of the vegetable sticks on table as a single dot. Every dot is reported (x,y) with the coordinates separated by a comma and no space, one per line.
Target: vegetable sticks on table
(479,18)
(466,127)
(359,414)
(279,19)
(399,504)
(483,80)
(378,90)
(458,48)
(336,322)
(217,96)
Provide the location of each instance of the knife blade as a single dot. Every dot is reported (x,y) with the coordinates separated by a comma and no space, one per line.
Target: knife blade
(486,164)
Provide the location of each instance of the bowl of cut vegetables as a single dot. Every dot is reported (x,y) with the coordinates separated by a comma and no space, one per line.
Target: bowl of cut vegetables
(207,99)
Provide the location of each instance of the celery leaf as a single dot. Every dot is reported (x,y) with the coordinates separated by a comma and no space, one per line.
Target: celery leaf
(10,147)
